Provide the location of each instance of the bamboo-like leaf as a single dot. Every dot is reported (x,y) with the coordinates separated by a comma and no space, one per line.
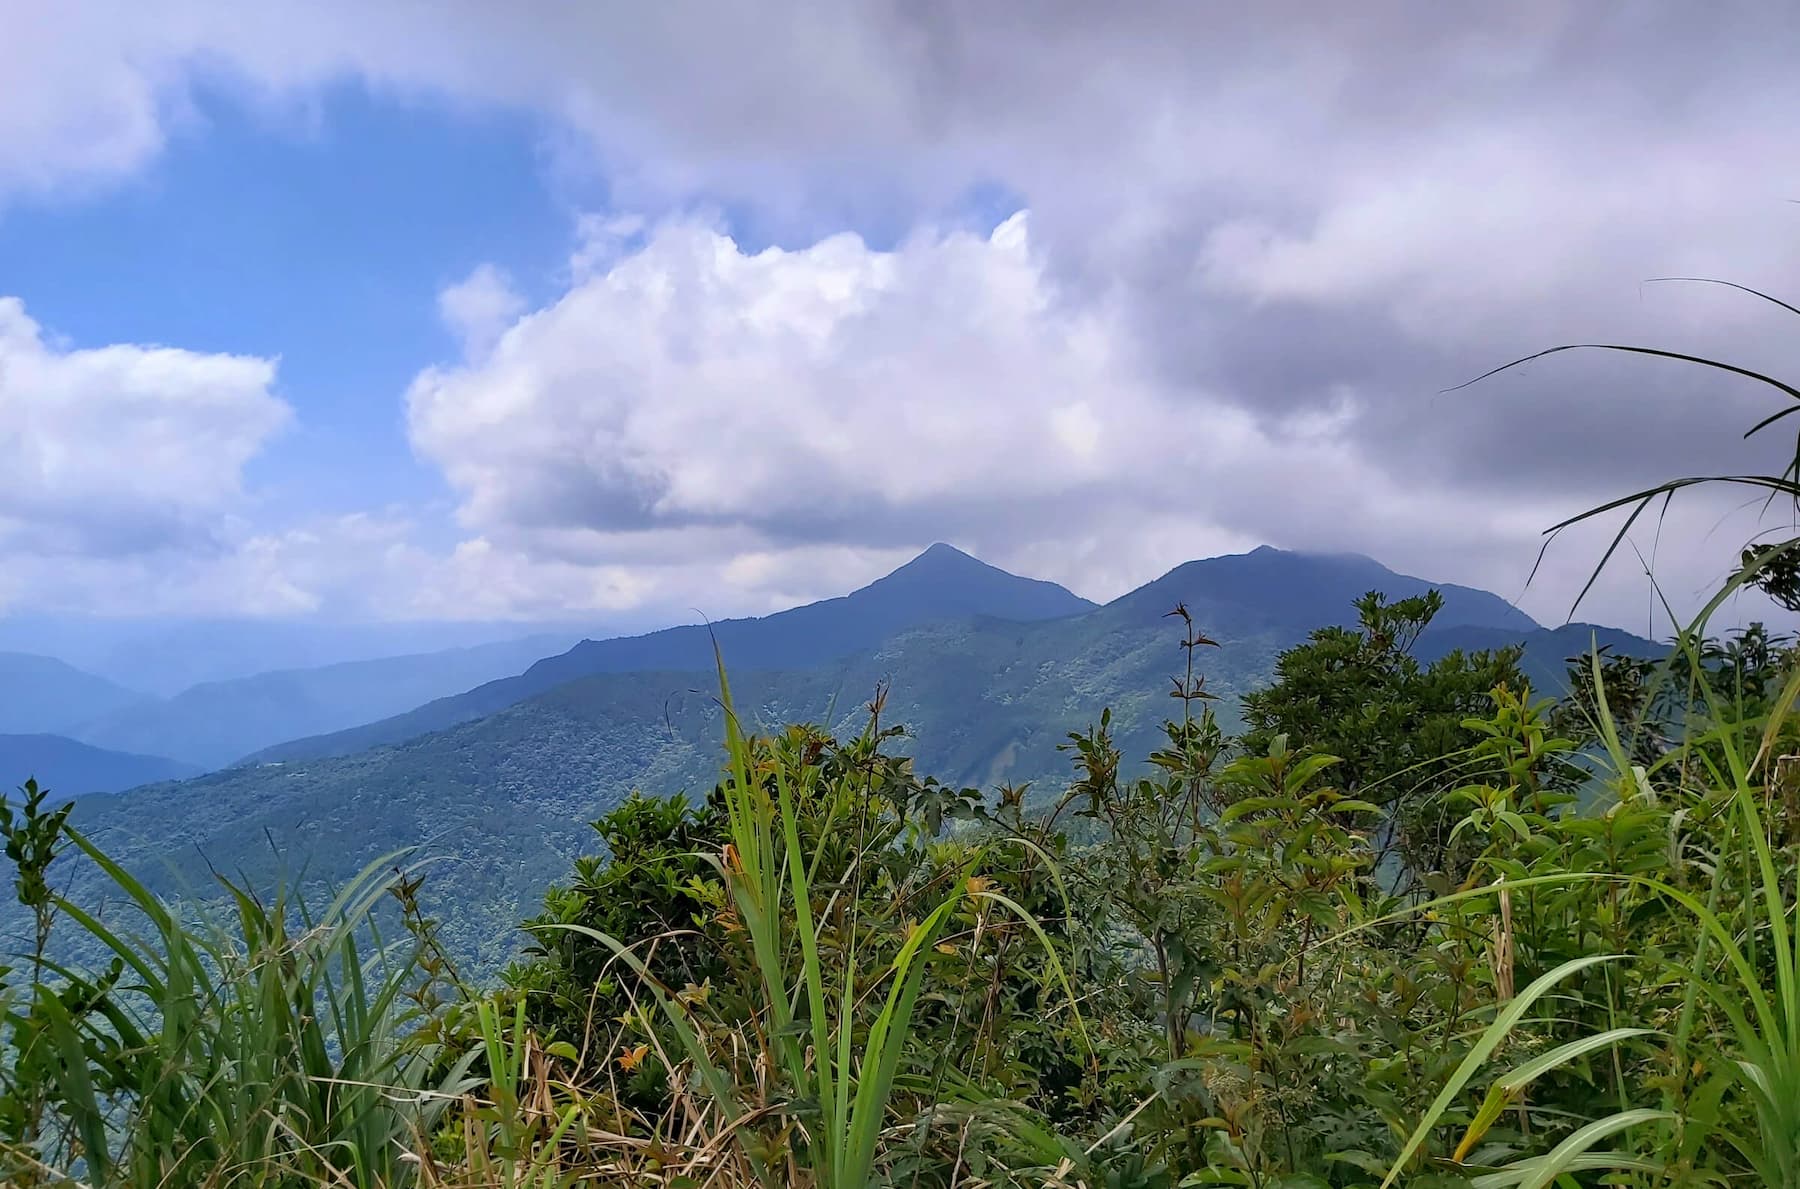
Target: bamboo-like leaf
(1508,1087)
(1563,1158)
(1525,1074)
(1056,966)
(812,972)
(887,1035)
(1490,1039)
(1658,352)
(1729,285)
(78,1086)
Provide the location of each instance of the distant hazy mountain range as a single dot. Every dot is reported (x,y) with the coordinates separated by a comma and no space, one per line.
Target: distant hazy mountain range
(939,585)
(989,670)
(66,766)
(162,657)
(40,693)
(1547,650)
(220,722)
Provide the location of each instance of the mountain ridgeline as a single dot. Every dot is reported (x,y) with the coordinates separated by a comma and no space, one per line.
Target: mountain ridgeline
(40,694)
(217,723)
(940,584)
(71,767)
(987,671)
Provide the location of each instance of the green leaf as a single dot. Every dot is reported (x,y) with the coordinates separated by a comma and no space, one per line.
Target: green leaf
(1489,1040)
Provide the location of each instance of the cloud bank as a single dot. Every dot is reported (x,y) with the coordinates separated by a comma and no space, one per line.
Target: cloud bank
(123,451)
(1259,246)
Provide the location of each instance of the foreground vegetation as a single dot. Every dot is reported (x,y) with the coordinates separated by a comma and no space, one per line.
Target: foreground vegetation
(1413,924)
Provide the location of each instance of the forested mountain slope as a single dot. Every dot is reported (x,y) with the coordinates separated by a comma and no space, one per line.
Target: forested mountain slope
(940,584)
(504,798)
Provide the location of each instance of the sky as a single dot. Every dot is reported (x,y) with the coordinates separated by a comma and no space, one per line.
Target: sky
(573,312)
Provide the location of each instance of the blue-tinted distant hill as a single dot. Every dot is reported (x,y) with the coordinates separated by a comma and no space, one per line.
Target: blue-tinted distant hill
(161,657)
(40,694)
(219,722)
(1548,651)
(70,768)
(1276,588)
(942,584)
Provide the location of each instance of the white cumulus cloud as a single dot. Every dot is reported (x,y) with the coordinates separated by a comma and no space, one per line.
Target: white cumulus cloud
(690,414)
(832,392)
(123,449)
(1262,239)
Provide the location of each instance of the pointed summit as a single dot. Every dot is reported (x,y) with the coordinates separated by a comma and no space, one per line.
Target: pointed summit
(942,584)
(945,583)
(938,560)
(1276,587)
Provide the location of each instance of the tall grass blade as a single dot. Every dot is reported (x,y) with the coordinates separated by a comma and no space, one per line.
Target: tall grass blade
(1490,1039)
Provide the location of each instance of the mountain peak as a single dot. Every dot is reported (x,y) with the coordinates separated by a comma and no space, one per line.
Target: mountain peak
(1274,553)
(938,561)
(940,585)
(944,582)
(1295,588)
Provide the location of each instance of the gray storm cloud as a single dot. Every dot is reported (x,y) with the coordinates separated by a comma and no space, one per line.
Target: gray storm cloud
(1282,229)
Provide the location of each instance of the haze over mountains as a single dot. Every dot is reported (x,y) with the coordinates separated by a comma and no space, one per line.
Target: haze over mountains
(987,670)
(43,694)
(71,768)
(940,584)
(220,722)
(161,657)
